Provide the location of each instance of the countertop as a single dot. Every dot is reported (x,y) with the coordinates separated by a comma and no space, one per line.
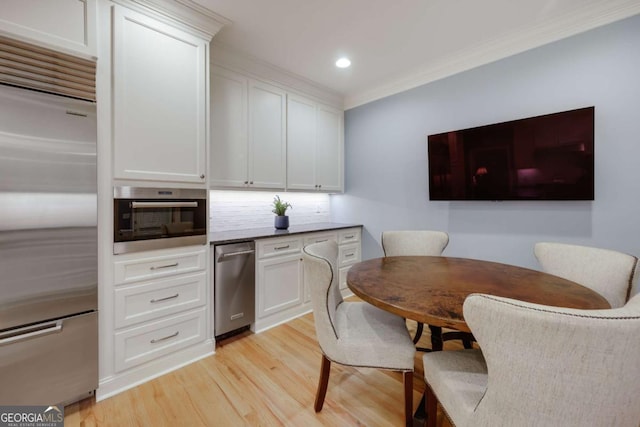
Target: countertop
(232,236)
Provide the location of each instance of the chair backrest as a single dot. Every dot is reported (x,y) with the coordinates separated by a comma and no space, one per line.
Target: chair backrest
(607,272)
(414,243)
(321,277)
(555,366)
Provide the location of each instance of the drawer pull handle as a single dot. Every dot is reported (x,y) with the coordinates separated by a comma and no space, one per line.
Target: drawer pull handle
(156,340)
(277,248)
(175,264)
(349,237)
(164,299)
(349,255)
(30,332)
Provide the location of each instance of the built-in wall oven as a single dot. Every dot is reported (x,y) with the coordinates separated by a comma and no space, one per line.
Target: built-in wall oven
(156,218)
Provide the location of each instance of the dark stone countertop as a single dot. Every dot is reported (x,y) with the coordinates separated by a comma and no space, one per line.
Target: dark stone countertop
(232,236)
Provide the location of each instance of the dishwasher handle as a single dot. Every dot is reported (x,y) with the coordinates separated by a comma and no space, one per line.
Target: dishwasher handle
(233,254)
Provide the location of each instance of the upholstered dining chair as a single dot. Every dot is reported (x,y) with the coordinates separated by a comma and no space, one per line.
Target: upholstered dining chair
(543,366)
(354,333)
(610,273)
(420,243)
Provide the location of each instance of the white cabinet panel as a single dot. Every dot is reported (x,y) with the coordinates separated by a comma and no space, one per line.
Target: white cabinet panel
(159,100)
(248,121)
(314,146)
(150,265)
(320,237)
(152,340)
(68,25)
(279,284)
(229,149)
(278,246)
(349,235)
(154,299)
(348,254)
(267,136)
(329,164)
(301,131)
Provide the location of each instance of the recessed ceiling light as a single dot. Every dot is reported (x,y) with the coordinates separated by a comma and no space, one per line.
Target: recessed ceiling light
(343,63)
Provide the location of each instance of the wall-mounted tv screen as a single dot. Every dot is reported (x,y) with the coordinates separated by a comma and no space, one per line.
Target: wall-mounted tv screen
(546,157)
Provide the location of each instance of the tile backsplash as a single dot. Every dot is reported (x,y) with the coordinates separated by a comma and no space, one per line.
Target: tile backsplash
(240,210)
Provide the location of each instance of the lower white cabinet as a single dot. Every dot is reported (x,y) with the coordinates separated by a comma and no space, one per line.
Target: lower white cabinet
(157,298)
(280,284)
(280,291)
(152,340)
(350,244)
(161,307)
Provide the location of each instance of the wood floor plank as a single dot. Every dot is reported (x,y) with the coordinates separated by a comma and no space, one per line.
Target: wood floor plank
(266,379)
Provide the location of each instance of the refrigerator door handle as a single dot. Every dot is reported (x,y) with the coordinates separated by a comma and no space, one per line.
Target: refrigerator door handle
(31,332)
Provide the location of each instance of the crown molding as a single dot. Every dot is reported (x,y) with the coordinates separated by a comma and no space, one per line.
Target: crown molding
(188,14)
(227,57)
(562,27)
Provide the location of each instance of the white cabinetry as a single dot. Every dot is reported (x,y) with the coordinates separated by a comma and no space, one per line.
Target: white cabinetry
(278,280)
(160,301)
(349,241)
(248,120)
(66,25)
(160,315)
(280,292)
(159,100)
(314,146)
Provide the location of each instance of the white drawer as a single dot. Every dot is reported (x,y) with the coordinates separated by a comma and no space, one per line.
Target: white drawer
(320,237)
(162,297)
(144,343)
(348,254)
(343,277)
(138,267)
(278,246)
(349,235)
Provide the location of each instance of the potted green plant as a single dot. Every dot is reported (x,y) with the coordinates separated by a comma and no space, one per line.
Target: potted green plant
(280,208)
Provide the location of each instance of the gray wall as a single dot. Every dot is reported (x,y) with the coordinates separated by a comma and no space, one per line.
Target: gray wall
(386,155)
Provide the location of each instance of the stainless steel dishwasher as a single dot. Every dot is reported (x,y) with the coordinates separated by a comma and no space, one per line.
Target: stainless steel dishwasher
(234,287)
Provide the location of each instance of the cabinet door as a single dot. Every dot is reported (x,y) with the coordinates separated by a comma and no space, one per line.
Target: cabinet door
(229,140)
(159,100)
(267,124)
(329,149)
(66,24)
(279,284)
(301,133)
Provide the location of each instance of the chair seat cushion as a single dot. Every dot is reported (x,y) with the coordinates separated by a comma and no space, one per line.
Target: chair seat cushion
(371,337)
(458,379)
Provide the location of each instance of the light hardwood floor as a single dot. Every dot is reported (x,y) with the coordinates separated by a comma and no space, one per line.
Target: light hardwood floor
(266,379)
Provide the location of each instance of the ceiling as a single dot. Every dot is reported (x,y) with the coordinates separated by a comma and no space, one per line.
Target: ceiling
(398,44)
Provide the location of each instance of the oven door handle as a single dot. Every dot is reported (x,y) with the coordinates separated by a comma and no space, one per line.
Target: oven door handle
(142,205)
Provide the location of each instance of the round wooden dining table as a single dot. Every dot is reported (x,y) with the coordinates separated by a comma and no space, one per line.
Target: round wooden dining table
(432,289)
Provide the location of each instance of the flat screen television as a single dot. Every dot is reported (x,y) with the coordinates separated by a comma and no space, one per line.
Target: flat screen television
(547,157)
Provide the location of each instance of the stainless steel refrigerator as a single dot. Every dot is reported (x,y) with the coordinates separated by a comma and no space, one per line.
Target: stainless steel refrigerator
(48,249)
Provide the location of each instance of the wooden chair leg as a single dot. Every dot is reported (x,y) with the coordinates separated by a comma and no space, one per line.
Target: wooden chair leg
(407,380)
(432,406)
(416,338)
(325,367)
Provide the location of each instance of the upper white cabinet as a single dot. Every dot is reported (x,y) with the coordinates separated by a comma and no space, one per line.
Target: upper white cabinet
(248,146)
(314,146)
(159,100)
(67,25)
